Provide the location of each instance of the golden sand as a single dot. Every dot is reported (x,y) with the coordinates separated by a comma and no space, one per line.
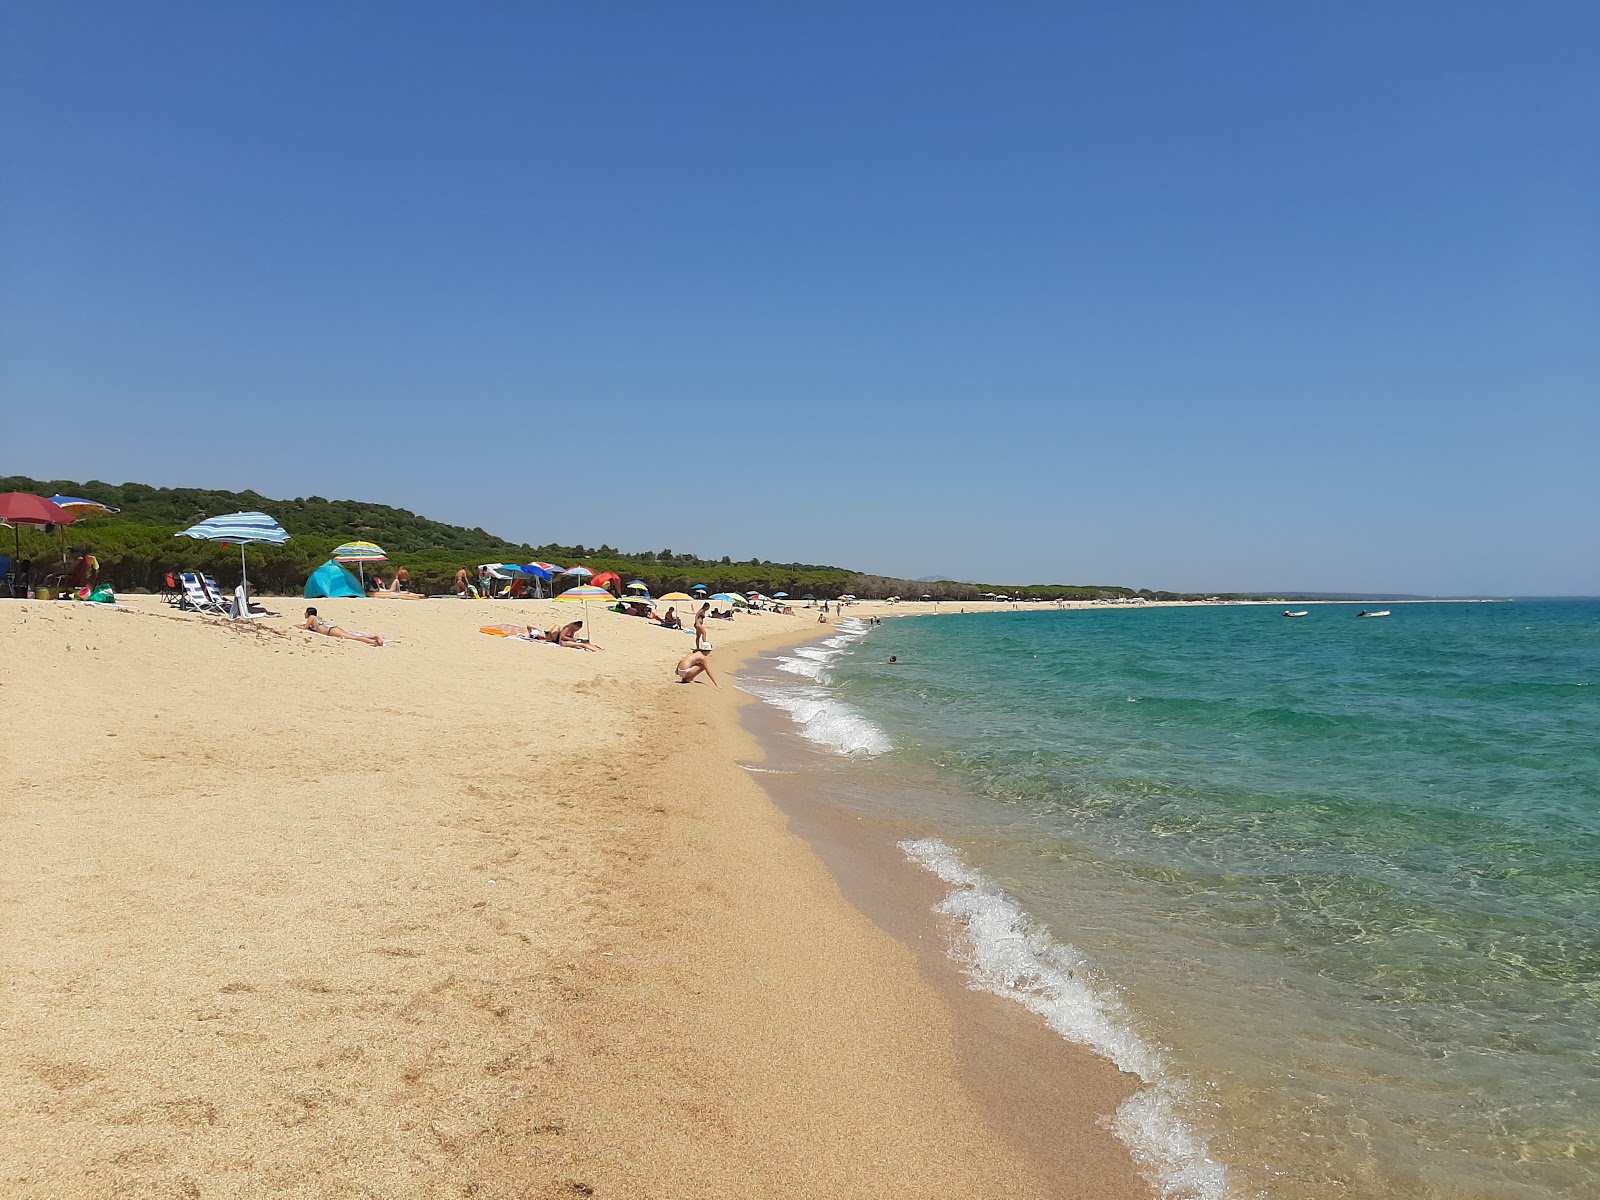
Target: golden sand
(458,916)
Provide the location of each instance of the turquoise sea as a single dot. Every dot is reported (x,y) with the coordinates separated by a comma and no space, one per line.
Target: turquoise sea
(1330,885)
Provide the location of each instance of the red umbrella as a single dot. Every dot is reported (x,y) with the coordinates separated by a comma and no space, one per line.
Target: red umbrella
(24,508)
(606,579)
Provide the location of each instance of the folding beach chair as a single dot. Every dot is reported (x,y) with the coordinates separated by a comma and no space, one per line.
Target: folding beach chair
(217,595)
(195,597)
(172,590)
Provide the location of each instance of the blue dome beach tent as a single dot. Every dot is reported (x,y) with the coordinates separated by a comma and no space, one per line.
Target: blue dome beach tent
(334,581)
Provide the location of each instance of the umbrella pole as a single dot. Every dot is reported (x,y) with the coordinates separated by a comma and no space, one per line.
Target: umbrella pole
(244,581)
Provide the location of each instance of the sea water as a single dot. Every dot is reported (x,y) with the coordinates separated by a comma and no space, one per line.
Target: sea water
(1330,886)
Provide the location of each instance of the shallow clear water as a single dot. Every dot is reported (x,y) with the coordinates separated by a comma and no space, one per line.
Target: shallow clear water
(1342,876)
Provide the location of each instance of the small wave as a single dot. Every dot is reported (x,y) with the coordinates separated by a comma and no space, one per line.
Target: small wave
(1005,952)
(808,661)
(812,661)
(825,720)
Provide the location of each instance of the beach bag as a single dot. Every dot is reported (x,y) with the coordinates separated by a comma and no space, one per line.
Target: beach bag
(103,595)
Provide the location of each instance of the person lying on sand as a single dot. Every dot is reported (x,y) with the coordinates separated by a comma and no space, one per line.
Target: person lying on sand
(317,625)
(694,664)
(566,635)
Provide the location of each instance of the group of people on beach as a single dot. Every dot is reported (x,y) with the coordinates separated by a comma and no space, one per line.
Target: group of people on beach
(400,583)
(690,667)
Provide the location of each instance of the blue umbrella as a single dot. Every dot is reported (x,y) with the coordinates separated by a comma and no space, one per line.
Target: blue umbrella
(780,595)
(699,587)
(241,529)
(80,508)
(537,570)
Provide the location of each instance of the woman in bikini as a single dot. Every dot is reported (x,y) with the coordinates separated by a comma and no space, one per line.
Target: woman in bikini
(317,625)
(701,642)
(566,635)
(694,664)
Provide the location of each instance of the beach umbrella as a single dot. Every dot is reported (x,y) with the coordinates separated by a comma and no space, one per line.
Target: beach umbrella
(730,598)
(24,508)
(606,578)
(699,587)
(638,585)
(780,595)
(81,508)
(676,596)
(359,553)
(582,595)
(584,571)
(239,529)
(543,571)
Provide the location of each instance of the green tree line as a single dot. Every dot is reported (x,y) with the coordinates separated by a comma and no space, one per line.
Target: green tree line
(136,548)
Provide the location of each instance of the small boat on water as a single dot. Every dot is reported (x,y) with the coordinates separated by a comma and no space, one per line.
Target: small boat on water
(1302,613)
(1382,612)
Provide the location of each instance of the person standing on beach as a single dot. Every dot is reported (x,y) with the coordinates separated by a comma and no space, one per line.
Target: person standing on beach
(702,643)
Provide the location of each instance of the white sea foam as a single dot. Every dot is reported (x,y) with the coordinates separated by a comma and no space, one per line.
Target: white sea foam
(1005,952)
(810,661)
(825,720)
(822,717)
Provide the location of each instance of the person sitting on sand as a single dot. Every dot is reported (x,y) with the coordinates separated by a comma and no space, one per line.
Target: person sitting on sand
(317,625)
(401,581)
(693,665)
(565,635)
(671,620)
(83,572)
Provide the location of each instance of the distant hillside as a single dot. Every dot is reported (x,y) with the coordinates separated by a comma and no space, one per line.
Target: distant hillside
(136,548)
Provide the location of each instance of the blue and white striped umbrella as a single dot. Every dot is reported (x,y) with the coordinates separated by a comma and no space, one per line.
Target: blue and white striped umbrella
(240,529)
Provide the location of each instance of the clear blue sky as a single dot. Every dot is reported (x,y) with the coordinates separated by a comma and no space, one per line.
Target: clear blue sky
(1181,295)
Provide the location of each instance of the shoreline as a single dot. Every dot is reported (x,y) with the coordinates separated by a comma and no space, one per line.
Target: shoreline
(299,916)
(1052,1099)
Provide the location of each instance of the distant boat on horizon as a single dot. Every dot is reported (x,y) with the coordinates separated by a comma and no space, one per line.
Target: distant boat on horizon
(1382,612)
(1304,612)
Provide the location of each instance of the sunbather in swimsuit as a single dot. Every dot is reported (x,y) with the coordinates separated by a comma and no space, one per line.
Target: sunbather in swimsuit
(567,636)
(317,625)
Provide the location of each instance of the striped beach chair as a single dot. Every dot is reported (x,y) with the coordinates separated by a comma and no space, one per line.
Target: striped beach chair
(196,599)
(217,595)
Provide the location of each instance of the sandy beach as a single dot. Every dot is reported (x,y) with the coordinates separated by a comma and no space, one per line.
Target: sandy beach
(461,915)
